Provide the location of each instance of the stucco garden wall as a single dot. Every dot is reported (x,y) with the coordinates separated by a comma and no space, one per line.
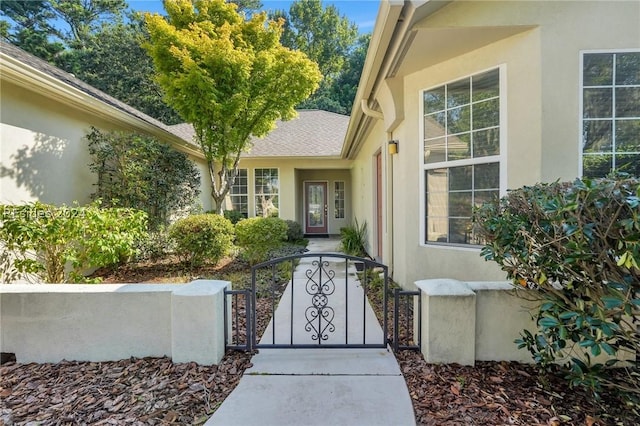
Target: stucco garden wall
(107,322)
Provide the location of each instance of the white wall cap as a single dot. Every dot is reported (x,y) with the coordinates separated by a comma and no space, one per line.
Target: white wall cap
(444,287)
(202,288)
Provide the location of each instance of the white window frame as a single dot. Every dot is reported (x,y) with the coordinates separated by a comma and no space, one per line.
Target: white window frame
(581,120)
(343,199)
(241,194)
(255,195)
(500,158)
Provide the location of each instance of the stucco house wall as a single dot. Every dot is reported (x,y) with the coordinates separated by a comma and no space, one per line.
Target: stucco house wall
(39,142)
(292,173)
(45,116)
(537,48)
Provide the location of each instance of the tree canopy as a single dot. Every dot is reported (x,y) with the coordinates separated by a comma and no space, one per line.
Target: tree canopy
(227,76)
(332,41)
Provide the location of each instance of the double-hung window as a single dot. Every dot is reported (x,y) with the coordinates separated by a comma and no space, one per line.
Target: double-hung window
(461,155)
(610,115)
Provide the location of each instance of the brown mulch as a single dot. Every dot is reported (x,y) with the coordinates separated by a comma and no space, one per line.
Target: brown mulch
(155,391)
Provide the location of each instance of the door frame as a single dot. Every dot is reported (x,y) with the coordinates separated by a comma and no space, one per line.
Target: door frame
(305,207)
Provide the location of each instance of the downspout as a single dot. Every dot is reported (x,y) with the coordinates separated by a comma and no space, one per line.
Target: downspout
(364,104)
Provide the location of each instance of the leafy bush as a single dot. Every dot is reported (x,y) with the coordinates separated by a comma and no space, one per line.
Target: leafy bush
(156,245)
(575,247)
(233,215)
(45,239)
(202,237)
(294,231)
(353,239)
(258,235)
(139,172)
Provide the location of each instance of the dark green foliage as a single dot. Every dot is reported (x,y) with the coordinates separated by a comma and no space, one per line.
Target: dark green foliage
(157,245)
(46,27)
(46,240)
(575,247)
(139,172)
(330,40)
(114,62)
(233,215)
(294,231)
(202,238)
(353,239)
(257,236)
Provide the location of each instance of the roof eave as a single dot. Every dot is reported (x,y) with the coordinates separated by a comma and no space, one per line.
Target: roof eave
(390,37)
(16,72)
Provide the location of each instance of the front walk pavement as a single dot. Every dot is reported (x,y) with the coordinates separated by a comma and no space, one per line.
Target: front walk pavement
(334,387)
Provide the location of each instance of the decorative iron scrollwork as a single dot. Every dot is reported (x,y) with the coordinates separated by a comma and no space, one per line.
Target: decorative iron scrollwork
(320,286)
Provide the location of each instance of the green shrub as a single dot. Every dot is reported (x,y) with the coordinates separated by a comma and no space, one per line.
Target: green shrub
(353,239)
(138,171)
(575,247)
(157,245)
(202,237)
(258,235)
(294,231)
(45,239)
(233,215)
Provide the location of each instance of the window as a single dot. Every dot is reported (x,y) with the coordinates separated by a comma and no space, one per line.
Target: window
(610,113)
(240,193)
(461,156)
(266,192)
(339,202)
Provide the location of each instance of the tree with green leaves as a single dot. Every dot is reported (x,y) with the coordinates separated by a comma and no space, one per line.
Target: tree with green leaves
(115,62)
(83,16)
(37,26)
(230,78)
(30,27)
(327,38)
(139,172)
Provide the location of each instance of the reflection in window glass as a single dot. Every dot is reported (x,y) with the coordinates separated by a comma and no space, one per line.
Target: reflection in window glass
(239,193)
(610,113)
(267,187)
(458,111)
(461,142)
(451,195)
(340,197)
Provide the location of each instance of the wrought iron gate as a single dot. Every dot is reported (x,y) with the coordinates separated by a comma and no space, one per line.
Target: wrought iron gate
(316,300)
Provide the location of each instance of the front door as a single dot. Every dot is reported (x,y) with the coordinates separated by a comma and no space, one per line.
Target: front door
(315,207)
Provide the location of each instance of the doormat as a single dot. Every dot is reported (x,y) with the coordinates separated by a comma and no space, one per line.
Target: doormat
(316,235)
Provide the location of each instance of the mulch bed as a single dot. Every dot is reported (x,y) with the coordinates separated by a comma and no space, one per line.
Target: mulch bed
(155,391)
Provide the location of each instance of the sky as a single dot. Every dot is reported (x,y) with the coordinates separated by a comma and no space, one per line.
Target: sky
(362,12)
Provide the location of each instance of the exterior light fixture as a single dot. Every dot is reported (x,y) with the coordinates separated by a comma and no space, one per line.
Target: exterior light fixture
(393,147)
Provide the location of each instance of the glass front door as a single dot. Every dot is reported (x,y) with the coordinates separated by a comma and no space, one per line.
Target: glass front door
(315,207)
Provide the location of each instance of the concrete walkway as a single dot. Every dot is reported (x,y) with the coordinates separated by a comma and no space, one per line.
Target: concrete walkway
(320,386)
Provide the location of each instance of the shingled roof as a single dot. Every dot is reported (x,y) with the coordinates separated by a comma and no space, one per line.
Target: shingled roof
(313,133)
(70,79)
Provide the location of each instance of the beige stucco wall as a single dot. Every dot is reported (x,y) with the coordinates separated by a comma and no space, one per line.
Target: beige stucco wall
(43,153)
(291,174)
(540,58)
(108,322)
(42,156)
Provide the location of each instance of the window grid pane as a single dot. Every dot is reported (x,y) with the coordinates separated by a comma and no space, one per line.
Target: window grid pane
(456,113)
(339,201)
(451,194)
(461,123)
(611,113)
(267,188)
(239,193)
